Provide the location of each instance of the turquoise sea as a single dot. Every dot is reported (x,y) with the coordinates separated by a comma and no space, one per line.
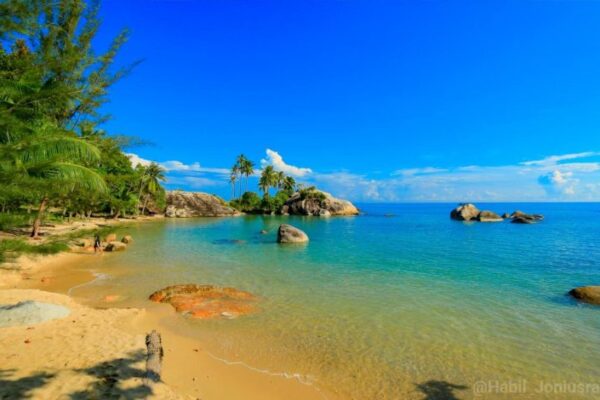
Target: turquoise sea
(398,303)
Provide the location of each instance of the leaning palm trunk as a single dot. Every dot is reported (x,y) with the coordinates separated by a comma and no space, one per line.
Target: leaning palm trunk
(35,232)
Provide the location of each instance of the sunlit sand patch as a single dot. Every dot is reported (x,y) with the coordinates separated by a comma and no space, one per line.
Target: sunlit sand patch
(206,301)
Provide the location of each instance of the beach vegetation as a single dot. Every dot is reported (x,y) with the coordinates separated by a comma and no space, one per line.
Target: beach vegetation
(54,156)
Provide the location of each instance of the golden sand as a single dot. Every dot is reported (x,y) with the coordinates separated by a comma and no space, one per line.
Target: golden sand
(97,353)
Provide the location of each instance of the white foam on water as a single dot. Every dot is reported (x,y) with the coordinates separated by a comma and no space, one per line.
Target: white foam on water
(303,379)
(97,277)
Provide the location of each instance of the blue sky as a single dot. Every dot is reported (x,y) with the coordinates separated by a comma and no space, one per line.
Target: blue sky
(371,100)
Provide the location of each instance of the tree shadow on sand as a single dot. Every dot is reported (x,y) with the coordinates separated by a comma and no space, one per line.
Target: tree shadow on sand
(439,390)
(109,376)
(20,388)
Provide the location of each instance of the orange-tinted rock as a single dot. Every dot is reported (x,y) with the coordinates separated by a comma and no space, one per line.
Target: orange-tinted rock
(206,301)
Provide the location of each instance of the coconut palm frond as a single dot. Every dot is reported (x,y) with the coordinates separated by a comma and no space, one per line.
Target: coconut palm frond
(59,148)
(70,173)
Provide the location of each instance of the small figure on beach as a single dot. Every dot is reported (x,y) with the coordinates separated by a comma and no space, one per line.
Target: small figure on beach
(97,244)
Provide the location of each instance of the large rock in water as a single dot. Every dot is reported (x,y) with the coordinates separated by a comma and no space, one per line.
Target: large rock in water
(587,294)
(206,301)
(317,203)
(189,204)
(290,234)
(519,217)
(465,212)
(489,216)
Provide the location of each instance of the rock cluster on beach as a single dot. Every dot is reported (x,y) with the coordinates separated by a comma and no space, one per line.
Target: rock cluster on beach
(324,205)
(587,294)
(206,301)
(192,204)
(469,212)
(290,234)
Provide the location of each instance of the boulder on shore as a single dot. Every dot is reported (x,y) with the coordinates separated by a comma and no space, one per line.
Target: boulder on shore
(317,203)
(193,204)
(465,212)
(289,234)
(206,301)
(111,237)
(587,294)
(489,216)
(116,246)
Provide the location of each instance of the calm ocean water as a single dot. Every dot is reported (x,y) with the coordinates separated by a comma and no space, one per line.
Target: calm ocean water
(401,302)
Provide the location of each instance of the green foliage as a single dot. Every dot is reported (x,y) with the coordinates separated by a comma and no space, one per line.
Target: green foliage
(311,193)
(274,203)
(249,202)
(52,85)
(15,247)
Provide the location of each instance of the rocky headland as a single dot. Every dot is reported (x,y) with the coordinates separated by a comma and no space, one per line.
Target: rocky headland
(470,212)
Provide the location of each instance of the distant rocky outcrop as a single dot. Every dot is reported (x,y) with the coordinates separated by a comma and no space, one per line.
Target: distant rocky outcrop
(587,294)
(489,216)
(469,212)
(289,234)
(317,203)
(519,217)
(465,212)
(192,204)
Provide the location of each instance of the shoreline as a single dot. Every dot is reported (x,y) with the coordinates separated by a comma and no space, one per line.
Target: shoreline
(189,370)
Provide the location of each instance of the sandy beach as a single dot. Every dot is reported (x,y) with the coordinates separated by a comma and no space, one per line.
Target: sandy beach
(97,352)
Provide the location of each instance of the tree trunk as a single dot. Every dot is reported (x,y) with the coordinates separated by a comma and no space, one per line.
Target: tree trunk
(116,216)
(35,232)
(154,357)
(145,204)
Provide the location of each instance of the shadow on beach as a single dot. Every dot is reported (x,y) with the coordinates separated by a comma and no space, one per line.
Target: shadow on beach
(109,381)
(20,388)
(439,390)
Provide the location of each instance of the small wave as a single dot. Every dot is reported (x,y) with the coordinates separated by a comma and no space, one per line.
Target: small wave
(97,277)
(303,379)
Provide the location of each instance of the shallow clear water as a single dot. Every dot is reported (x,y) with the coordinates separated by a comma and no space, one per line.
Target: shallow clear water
(412,305)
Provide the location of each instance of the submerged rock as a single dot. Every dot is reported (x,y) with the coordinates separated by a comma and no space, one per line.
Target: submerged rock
(30,312)
(289,234)
(206,301)
(587,294)
(127,239)
(489,216)
(506,215)
(111,237)
(317,203)
(264,231)
(189,204)
(465,212)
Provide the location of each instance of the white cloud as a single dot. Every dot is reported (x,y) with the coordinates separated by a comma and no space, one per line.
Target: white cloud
(418,171)
(558,183)
(137,160)
(554,160)
(274,159)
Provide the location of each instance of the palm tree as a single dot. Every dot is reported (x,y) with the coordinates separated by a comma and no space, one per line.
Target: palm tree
(247,169)
(278,179)
(289,184)
(153,174)
(232,178)
(235,170)
(49,160)
(267,179)
(240,161)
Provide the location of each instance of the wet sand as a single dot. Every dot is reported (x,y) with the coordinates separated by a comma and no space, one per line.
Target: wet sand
(103,351)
